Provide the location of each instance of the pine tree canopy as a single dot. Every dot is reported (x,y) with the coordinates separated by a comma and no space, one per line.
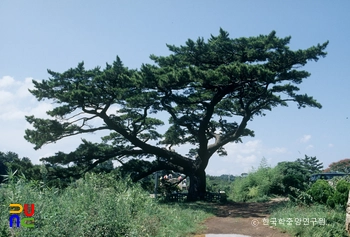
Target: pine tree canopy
(208,90)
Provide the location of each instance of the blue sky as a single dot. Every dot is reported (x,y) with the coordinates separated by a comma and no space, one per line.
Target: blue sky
(40,35)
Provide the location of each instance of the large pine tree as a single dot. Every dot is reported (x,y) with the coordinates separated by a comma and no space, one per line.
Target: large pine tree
(209,89)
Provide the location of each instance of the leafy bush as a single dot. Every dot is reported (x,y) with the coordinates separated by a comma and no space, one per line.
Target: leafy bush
(337,195)
(258,185)
(300,197)
(293,174)
(287,179)
(320,191)
(340,196)
(240,189)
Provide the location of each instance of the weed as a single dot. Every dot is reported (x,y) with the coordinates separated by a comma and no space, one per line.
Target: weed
(96,205)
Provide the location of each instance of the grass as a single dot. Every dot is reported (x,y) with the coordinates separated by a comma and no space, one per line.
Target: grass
(98,205)
(334,220)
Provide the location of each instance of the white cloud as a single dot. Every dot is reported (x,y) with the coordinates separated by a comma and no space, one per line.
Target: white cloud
(17,110)
(6,81)
(16,101)
(5,98)
(40,110)
(305,138)
(112,109)
(11,114)
(242,157)
(278,150)
(309,147)
(330,145)
(23,91)
(244,148)
(250,159)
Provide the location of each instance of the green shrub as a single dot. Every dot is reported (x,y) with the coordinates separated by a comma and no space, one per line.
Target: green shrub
(340,196)
(300,197)
(337,195)
(253,192)
(240,189)
(343,186)
(293,174)
(258,185)
(320,191)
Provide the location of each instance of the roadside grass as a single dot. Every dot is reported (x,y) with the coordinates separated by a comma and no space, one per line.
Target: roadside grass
(97,205)
(334,220)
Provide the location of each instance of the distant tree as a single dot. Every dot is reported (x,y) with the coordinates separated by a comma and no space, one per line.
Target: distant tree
(219,183)
(339,166)
(11,161)
(5,160)
(227,177)
(293,174)
(3,168)
(311,164)
(209,90)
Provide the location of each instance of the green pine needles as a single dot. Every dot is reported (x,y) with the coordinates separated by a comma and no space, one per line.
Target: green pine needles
(207,89)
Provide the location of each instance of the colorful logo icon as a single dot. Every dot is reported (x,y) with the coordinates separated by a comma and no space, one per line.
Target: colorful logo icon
(27,221)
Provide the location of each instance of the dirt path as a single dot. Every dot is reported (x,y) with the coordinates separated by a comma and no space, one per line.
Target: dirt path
(242,218)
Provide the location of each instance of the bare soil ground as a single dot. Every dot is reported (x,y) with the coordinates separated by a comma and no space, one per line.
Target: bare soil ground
(242,218)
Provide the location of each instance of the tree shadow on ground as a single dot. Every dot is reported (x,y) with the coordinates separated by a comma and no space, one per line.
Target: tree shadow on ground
(208,207)
(233,209)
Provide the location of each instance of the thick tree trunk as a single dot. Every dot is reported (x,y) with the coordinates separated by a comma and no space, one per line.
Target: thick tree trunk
(197,187)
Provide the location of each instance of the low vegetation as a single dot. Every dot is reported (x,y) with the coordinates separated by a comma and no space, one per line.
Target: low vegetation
(96,205)
(264,182)
(314,209)
(109,204)
(314,220)
(322,209)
